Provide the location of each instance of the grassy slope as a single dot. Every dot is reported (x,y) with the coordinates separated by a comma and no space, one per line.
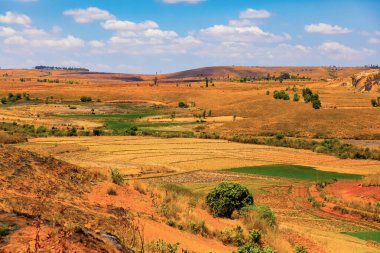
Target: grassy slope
(294,171)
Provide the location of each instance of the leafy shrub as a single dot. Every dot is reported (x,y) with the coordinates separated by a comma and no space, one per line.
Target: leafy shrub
(85,99)
(3,100)
(255,236)
(281,95)
(161,246)
(254,248)
(4,229)
(227,197)
(374,102)
(316,104)
(116,176)
(268,93)
(182,105)
(97,132)
(296,98)
(41,129)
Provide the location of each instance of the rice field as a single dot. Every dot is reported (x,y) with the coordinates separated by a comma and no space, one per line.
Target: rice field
(144,155)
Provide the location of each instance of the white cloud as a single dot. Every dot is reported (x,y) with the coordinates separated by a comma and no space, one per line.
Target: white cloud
(6,31)
(242,34)
(337,51)
(15,40)
(377,33)
(252,13)
(15,18)
(374,41)
(240,22)
(326,29)
(182,1)
(128,25)
(88,15)
(96,43)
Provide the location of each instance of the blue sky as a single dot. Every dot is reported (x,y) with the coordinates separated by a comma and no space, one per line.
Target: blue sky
(148,36)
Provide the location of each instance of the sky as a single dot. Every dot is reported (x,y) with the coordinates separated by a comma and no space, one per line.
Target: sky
(149,36)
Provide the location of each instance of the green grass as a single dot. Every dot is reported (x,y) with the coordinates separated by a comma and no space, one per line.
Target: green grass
(295,172)
(368,236)
(121,125)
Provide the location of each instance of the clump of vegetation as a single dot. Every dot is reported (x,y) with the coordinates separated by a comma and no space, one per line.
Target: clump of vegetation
(281,95)
(309,96)
(254,244)
(228,197)
(111,191)
(300,249)
(4,229)
(182,105)
(375,102)
(161,246)
(315,203)
(341,209)
(117,177)
(296,98)
(85,99)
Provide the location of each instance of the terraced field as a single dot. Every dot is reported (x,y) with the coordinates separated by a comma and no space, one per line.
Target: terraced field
(149,155)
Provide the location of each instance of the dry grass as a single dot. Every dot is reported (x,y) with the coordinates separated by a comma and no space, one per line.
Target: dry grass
(341,103)
(371,180)
(133,155)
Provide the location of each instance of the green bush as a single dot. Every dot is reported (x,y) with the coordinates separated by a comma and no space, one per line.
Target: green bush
(4,229)
(97,132)
(296,98)
(227,197)
(116,176)
(3,100)
(161,246)
(281,95)
(41,129)
(182,105)
(374,103)
(317,104)
(85,99)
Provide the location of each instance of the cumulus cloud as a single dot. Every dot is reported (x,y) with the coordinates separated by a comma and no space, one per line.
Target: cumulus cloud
(182,1)
(57,43)
(326,29)
(252,13)
(338,51)
(88,15)
(96,43)
(242,34)
(128,25)
(6,31)
(15,18)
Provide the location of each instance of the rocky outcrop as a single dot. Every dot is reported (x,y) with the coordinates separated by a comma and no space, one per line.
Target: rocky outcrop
(367,80)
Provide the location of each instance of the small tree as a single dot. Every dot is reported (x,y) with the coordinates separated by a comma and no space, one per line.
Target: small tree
(227,197)
(3,100)
(317,104)
(296,98)
(207,82)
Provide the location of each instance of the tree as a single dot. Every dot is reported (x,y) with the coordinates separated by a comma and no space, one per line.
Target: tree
(316,104)
(207,81)
(227,197)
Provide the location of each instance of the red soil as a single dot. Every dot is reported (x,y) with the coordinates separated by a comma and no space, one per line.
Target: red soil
(354,191)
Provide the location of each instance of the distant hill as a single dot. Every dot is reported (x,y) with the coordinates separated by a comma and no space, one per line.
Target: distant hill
(225,72)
